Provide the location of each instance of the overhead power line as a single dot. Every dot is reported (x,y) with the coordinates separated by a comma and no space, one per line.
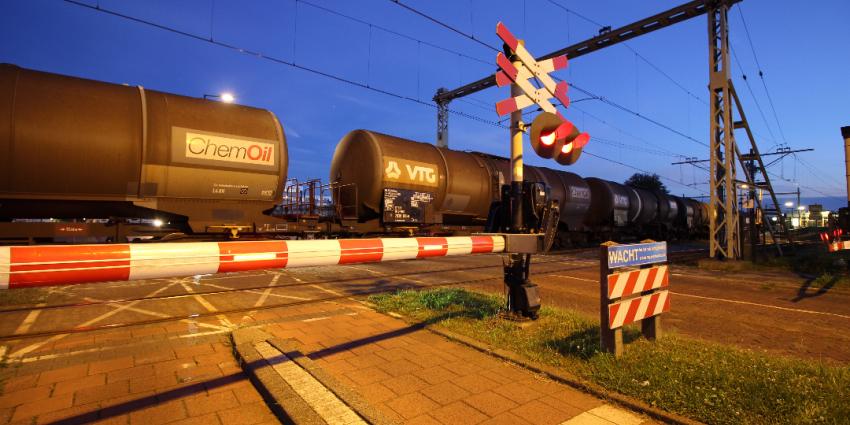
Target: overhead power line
(640,56)
(260,55)
(761,74)
(445,25)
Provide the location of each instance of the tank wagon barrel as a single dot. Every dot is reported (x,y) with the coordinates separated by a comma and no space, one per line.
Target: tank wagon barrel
(78,148)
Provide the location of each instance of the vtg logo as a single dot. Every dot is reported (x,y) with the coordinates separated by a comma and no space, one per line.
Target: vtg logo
(415,173)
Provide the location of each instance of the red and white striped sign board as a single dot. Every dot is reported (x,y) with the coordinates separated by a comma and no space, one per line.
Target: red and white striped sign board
(633,282)
(24,266)
(632,310)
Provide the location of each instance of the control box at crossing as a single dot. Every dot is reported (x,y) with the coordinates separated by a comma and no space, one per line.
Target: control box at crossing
(633,280)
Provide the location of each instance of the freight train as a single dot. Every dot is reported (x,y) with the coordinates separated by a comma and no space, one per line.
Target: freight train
(88,161)
(401,184)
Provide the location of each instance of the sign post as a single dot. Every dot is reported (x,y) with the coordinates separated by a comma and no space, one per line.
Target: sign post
(637,293)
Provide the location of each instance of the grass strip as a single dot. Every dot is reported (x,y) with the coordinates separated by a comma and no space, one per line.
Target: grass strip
(707,382)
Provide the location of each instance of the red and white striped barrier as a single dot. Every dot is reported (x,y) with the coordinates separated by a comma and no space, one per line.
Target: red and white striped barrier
(838,246)
(635,309)
(25,266)
(636,281)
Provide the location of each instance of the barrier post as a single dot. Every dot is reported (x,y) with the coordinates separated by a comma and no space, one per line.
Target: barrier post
(611,340)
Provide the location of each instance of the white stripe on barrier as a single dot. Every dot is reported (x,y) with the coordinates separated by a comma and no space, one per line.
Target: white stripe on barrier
(400,248)
(313,253)
(148,261)
(498,243)
(5,260)
(260,256)
(459,245)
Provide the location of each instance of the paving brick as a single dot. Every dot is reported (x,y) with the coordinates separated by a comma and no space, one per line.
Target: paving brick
(537,412)
(458,413)
(445,393)
(131,373)
(172,366)
(367,375)
(505,418)
(199,373)
(476,383)
(72,385)
(376,393)
(76,414)
(101,393)
(208,419)
(400,367)
(490,403)
(462,368)
(63,374)
(104,366)
(246,415)
(404,384)
(39,407)
(412,405)
(213,358)
(18,383)
(204,404)
(578,399)
(423,420)
(435,374)
(366,360)
(12,399)
(153,383)
(154,356)
(159,413)
(188,351)
(518,393)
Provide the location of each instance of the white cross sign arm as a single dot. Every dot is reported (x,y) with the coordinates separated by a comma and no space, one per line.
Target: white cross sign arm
(511,104)
(557,90)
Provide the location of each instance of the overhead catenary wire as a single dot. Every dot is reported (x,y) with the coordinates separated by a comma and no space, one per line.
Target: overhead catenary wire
(444,25)
(277,60)
(761,74)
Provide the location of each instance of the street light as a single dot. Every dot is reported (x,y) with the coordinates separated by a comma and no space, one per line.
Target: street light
(789,204)
(225,97)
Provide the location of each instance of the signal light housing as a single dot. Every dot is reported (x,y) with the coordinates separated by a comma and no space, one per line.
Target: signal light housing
(552,136)
(544,135)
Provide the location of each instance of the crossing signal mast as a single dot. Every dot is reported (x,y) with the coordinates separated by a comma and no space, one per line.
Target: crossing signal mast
(552,136)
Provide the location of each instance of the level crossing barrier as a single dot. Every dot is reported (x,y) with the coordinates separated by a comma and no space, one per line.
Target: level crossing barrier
(27,266)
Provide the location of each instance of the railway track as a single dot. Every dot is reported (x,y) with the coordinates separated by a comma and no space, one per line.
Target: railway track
(674,257)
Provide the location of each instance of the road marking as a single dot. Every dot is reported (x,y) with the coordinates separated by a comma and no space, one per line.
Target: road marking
(575,278)
(206,304)
(162,315)
(265,294)
(88,323)
(29,320)
(604,415)
(324,402)
(776,307)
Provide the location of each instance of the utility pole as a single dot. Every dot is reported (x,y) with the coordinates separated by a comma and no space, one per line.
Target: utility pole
(724,242)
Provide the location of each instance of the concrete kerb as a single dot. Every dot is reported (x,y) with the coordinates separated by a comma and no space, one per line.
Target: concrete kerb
(286,405)
(281,398)
(565,378)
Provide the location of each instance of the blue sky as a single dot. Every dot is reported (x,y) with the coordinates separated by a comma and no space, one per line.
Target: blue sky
(803,52)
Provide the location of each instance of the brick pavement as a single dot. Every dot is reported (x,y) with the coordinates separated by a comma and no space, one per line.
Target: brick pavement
(159,380)
(414,376)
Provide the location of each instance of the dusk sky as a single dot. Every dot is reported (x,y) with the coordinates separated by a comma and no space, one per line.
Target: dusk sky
(802,49)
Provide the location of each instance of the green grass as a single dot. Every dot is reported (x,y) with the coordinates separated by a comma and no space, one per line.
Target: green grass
(700,380)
